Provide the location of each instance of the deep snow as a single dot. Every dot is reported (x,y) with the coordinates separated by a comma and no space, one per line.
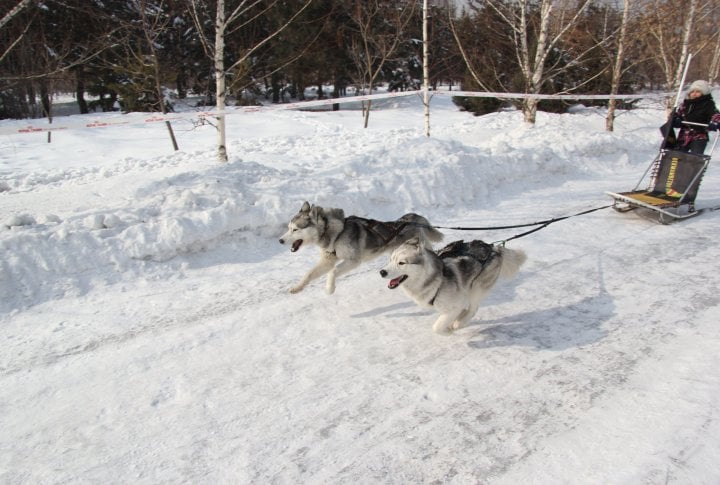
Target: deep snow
(148,335)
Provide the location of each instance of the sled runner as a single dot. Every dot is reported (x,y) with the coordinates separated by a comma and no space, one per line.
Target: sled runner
(675,178)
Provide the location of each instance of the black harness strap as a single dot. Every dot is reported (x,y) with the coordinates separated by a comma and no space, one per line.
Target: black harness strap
(387,231)
(461,249)
(437,292)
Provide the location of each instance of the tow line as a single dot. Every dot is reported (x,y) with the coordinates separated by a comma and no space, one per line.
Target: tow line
(542,224)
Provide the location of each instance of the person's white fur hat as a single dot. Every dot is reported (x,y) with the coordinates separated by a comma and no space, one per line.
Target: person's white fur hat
(701,86)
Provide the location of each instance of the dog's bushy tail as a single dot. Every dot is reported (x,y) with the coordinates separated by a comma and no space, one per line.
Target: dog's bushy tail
(512,259)
(429,233)
(433,234)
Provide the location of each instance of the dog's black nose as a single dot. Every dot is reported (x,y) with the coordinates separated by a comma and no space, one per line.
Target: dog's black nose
(282,241)
(383,273)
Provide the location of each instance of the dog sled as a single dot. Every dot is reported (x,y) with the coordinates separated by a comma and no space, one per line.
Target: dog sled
(674,177)
(674,180)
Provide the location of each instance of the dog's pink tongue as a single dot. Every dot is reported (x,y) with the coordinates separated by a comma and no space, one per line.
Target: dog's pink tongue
(395,282)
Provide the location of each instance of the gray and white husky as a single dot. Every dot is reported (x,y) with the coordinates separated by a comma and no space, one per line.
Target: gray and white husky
(345,242)
(452,281)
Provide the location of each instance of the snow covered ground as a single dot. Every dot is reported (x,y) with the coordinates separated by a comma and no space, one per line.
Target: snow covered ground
(147,334)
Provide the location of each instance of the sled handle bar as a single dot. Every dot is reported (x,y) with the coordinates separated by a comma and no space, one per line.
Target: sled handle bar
(715,142)
(704,125)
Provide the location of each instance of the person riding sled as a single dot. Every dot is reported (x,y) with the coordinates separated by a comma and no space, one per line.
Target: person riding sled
(695,116)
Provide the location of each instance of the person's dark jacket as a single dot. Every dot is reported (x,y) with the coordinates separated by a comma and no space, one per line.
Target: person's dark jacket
(699,110)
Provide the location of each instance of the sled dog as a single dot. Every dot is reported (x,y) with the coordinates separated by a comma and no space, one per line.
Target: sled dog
(345,242)
(452,281)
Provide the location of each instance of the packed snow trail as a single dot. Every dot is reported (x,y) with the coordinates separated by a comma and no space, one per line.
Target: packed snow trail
(159,342)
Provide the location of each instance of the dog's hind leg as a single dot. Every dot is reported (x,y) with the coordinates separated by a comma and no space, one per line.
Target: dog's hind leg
(476,298)
(326,263)
(345,266)
(464,317)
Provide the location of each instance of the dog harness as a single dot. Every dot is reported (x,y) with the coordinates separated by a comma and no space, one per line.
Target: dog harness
(386,231)
(480,251)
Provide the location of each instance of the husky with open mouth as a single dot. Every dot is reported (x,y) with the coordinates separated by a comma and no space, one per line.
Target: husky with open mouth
(345,242)
(452,281)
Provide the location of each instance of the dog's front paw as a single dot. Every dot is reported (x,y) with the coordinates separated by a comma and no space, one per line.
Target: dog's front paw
(296,289)
(329,289)
(441,328)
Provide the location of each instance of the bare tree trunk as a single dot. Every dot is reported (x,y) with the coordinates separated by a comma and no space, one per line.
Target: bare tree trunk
(225,24)
(46,103)
(372,47)
(150,32)
(518,15)
(687,31)
(220,79)
(663,38)
(14,11)
(617,69)
(536,70)
(426,70)
(80,90)
(366,113)
(714,70)
(471,69)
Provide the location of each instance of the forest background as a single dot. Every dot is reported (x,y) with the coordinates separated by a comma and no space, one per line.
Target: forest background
(144,55)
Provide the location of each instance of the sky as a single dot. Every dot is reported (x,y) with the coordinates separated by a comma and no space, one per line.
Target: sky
(148,334)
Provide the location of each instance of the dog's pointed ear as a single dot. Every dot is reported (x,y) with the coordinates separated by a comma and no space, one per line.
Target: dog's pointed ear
(305,207)
(335,213)
(316,213)
(415,241)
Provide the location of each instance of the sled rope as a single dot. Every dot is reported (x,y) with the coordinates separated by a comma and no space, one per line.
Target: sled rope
(546,223)
(542,224)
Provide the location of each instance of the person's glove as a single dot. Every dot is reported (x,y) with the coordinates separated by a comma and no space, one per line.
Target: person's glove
(714,126)
(677,121)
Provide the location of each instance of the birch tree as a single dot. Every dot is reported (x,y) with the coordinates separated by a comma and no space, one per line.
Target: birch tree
(378,30)
(229,20)
(13,11)
(537,28)
(7,17)
(151,28)
(667,39)
(685,50)
(617,67)
(714,70)
(709,37)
